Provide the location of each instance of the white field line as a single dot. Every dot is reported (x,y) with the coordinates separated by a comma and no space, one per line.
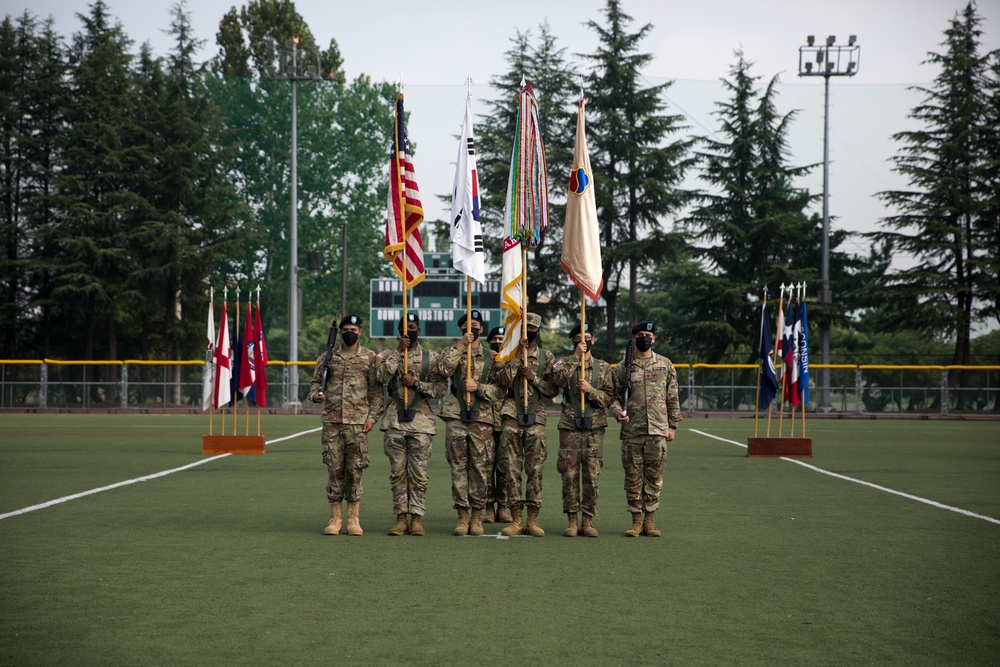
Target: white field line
(65,499)
(932,503)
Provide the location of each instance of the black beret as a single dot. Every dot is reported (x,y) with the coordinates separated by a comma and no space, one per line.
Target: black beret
(350,319)
(477,315)
(410,317)
(645,325)
(496,331)
(575,331)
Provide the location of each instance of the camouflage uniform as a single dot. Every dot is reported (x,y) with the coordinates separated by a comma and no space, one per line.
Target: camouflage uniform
(581,452)
(469,447)
(352,397)
(523,447)
(653,408)
(408,444)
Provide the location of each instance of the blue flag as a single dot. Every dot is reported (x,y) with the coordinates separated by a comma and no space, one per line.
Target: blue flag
(768,378)
(804,356)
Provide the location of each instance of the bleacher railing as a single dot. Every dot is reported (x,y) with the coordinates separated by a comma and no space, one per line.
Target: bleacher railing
(136,385)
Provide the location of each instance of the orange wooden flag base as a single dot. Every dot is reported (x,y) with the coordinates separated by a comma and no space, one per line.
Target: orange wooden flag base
(801,448)
(232,444)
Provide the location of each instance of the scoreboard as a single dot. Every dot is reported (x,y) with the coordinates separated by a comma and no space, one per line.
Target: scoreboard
(438,301)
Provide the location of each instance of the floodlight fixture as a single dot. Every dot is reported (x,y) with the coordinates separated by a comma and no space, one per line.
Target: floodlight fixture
(831,40)
(851,40)
(810,40)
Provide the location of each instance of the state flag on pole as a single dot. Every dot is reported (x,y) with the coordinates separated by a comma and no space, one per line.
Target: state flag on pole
(581,249)
(789,350)
(403,245)
(768,378)
(259,362)
(247,378)
(223,372)
(466,229)
(208,378)
(804,354)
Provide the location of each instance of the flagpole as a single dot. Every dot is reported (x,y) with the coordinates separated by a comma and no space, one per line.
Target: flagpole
(260,370)
(246,398)
(468,348)
(760,368)
(524,318)
(211,367)
(781,380)
(225,323)
(583,339)
(795,342)
(236,398)
(401,207)
(802,391)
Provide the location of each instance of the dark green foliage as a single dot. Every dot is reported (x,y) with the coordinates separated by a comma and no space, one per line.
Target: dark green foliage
(637,168)
(946,220)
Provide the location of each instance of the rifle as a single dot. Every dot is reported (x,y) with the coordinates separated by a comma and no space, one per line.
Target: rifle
(331,340)
(627,382)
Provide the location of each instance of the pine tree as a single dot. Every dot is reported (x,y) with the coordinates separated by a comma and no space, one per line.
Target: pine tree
(942,219)
(749,228)
(638,170)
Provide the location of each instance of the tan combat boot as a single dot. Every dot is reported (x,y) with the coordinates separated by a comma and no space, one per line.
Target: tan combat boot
(476,524)
(515,526)
(333,528)
(647,525)
(416,527)
(503,516)
(531,527)
(636,528)
(571,528)
(353,522)
(588,530)
(400,528)
(488,516)
(462,527)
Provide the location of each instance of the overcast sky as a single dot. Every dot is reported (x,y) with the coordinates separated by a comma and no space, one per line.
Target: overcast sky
(435,45)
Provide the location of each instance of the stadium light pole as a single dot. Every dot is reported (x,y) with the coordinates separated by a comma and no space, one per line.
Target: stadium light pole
(288,70)
(827,60)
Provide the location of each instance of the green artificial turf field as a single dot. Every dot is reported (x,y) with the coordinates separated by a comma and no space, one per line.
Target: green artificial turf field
(763,561)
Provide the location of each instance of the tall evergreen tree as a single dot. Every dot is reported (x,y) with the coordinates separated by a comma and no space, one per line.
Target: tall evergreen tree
(638,168)
(94,185)
(542,64)
(943,218)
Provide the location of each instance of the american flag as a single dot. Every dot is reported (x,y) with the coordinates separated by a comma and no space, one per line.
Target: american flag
(403,245)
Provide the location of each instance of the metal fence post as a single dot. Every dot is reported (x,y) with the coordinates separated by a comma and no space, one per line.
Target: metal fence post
(944,393)
(43,400)
(124,390)
(858,403)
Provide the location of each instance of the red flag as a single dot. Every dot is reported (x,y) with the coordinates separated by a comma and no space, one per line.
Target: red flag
(259,362)
(246,355)
(403,245)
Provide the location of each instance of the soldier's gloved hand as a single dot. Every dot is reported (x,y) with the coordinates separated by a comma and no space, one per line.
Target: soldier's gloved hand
(319,397)
(367,427)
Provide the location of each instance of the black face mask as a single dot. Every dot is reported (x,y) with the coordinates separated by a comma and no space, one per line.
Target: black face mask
(495,347)
(532,336)
(349,338)
(587,345)
(643,343)
(413,336)
(475,334)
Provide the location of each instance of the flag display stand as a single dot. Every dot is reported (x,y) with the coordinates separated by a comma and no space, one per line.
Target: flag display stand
(233,444)
(800,448)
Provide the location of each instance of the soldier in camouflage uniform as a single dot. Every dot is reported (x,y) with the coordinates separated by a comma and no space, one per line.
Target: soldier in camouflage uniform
(649,422)
(581,429)
(523,446)
(409,427)
(468,415)
(496,482)
(351,402)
